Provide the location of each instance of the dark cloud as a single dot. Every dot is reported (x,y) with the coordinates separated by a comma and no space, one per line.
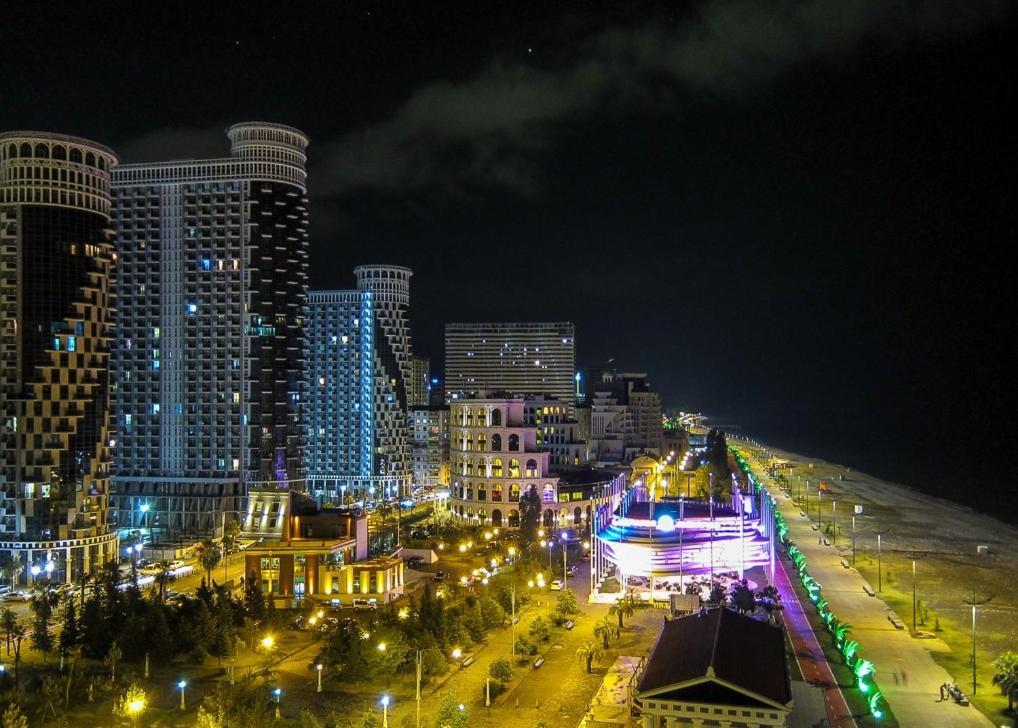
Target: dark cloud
(492,128)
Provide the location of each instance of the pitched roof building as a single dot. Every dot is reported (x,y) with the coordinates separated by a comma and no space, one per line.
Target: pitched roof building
(716,667)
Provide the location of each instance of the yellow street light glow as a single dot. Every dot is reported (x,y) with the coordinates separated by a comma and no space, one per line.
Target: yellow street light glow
(312,620)
(268,641)
(403,613)
(381,647)
(136,706)
(463,580)
(320,613)
(463,548)
(457,653)
(540,532)
(512,550)
(531,583)
(441,547)
(485,581)
(494,563)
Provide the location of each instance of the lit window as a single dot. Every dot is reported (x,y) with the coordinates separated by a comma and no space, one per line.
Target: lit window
(155,408)
(191,308)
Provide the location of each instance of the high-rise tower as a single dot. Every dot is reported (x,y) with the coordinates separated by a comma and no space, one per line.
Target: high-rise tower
(56,261)
(359,371)
(210,337)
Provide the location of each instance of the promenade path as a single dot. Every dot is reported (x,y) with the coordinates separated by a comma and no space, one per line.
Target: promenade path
(914,699)
(808,653)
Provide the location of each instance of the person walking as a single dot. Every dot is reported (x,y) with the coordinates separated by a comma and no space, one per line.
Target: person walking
(904,677)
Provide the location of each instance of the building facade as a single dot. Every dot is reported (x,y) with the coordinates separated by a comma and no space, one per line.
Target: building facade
(208,363)
(620,417)
(358,375)
(429,428)
(56,264)
(496,457)
(420,381)
(520,358)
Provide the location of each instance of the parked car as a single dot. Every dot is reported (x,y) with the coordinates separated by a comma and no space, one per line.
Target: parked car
(17,596)
(414,562)
(440,576)
(364,604)
(556,585)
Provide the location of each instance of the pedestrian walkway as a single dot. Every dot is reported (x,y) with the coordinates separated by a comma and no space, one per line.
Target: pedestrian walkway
(914,697)
(808,653)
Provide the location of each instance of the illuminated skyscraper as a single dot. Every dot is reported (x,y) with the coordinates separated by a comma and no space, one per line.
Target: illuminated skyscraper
(358,377)
(56,262)
(209,359)
(520,358)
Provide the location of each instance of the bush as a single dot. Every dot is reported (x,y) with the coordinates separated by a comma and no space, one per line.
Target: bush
(566,602)
(540,630)
(501,670)
(525,647)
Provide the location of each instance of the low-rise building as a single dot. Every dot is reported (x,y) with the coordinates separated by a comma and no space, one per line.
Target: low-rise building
(304,551)
(717,668)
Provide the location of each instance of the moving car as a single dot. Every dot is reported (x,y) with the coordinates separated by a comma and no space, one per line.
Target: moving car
(556,585)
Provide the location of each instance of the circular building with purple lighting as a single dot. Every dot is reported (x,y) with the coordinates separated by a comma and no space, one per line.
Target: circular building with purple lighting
(665,546)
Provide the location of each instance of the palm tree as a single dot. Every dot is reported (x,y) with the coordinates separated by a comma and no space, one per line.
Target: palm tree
(622,608)
(208,555)
(606,630)
(590,651)
(1006,676)
(163,575)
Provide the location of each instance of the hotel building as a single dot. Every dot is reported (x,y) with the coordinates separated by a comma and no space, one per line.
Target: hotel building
(56,265)
(496,457)
(209,357)
(358,372)
(519,358)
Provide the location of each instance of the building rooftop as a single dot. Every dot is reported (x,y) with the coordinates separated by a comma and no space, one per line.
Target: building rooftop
(719,656)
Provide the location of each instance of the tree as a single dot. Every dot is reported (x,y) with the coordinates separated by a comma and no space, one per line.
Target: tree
(622,608)
(606,630)
(164,575)
(18,634)
(590,651)
(131,704)
(12,569)
(42,639)
(566,602)
(501,669)
(13,717)
(1006,676)
(70,635)
(742,597)
(112,658)
(73,656)
(530,518)
(208,555)
(451,714)
(717,593)
(9,620)
(539,629)
(492,614)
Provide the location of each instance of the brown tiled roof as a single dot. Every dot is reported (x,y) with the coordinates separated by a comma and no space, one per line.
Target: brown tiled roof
(741,650)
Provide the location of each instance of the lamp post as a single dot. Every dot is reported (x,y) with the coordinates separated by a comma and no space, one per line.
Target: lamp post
(279,694)
(853,540)
(975,605)
(880,571)
(181,686)
(319,667)
(913,595)
(834,519)
(385,711)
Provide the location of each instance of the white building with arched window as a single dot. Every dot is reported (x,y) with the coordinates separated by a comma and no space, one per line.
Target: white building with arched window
(497,454)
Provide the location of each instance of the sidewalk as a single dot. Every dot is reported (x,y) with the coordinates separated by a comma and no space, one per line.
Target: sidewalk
(914,701)
(810,656)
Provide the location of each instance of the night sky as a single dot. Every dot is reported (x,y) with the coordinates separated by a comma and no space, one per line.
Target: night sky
(793,215)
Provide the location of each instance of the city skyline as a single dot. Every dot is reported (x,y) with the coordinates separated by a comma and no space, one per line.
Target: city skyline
(729,208)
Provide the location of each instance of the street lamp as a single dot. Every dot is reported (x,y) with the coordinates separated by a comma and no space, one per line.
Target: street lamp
(278,693)
(268,641)
(180,686)
(975,605)
(385,711)
(319,667)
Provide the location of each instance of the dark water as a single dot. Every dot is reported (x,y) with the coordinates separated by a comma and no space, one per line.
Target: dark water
(892,449)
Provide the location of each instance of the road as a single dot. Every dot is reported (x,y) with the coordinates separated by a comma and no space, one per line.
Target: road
(914,700)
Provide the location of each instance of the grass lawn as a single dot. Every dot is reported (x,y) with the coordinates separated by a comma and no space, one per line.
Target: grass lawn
(958,662)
